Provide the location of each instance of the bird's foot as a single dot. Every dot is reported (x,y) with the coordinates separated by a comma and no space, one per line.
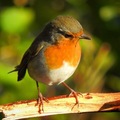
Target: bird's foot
(40,102)
(75,94)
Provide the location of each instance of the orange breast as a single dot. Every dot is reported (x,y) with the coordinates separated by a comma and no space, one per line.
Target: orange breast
(67,50)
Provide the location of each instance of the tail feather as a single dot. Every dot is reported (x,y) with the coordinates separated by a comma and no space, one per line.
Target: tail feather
(21,72)
(16,69)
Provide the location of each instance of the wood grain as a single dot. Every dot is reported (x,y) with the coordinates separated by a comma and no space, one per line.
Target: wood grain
(92,102)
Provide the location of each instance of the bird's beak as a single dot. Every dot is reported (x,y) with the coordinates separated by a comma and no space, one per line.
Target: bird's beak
(84,36)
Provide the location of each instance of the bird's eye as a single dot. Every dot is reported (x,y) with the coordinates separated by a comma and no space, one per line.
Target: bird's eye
(66,35)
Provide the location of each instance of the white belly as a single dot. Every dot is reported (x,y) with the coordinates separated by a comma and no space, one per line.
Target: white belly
(61,74)
(50,77)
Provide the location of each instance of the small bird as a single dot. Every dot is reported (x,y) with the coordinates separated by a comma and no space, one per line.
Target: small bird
(54,55)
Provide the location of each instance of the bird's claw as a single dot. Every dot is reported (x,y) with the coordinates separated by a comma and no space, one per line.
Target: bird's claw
(75,94)
(40,102)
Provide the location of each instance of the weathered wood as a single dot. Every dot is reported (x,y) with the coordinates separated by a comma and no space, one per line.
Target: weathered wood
(92,102)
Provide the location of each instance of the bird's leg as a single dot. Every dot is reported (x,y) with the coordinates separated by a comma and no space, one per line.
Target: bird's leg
(73,93)
(40,99)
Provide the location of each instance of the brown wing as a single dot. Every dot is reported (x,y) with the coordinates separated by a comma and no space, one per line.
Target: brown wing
(34,49)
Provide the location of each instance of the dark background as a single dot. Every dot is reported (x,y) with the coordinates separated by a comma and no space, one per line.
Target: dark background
(99,70)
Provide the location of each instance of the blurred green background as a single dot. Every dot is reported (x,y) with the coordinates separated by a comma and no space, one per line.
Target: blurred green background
(99,70)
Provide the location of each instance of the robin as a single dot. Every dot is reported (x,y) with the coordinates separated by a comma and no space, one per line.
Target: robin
(54,55)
